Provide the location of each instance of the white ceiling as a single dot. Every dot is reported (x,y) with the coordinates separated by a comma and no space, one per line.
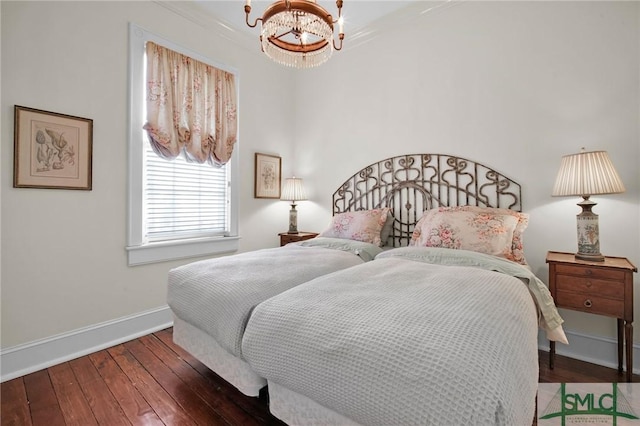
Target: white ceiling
(358,14)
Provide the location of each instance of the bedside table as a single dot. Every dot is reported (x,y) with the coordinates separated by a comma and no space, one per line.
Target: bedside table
(286,238)
(602,288)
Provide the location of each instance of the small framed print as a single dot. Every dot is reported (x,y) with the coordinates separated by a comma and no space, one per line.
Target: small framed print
(267,183)
(51,150)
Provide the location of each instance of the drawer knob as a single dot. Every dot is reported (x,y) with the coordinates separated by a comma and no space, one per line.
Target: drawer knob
(588,272)
(587,303)
(589,284)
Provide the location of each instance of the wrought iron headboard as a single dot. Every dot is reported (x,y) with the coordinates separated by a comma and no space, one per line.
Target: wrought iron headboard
(411,184)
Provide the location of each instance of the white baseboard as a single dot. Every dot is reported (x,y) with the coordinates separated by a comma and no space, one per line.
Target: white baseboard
(595,349)
(37,355)
(34,356)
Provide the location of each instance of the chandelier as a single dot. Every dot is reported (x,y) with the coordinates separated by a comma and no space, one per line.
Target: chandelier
(298,33)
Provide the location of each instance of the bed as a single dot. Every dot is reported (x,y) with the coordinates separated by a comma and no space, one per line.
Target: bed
(211,300)
(440,329)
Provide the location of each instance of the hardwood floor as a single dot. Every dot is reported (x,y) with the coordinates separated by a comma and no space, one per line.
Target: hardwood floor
(151,381)
(147,381)
(568,370)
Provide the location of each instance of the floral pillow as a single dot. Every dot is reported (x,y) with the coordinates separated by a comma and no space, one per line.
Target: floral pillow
(517,246)
(362,225)
(486,232)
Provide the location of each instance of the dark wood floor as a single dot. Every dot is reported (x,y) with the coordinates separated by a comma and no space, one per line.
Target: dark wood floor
(151,381)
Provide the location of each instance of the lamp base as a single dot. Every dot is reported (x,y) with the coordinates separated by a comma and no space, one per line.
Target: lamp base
(590,257)
(588,233)
(293,220)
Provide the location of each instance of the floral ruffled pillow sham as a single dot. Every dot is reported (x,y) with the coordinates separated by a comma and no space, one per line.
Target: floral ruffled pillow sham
(361,225)
(493,231)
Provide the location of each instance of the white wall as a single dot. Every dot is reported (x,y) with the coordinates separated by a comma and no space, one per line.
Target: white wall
(64,263)
(513,85)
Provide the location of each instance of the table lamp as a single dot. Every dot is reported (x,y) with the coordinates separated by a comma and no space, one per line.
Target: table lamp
(293,190)
(586,174)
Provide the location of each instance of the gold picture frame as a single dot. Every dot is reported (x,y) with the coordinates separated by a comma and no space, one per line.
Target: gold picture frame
(51,150)
(267,176)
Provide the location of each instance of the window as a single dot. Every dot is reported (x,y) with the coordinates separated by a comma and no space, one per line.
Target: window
(177,209)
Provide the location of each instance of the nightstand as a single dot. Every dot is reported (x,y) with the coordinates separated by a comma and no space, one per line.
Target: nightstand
(286,238)
(602,288)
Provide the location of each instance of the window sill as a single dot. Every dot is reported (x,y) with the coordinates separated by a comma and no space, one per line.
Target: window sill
(180,249)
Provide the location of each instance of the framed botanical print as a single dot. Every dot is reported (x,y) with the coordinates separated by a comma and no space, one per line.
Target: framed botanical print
(267,176)
(51,150)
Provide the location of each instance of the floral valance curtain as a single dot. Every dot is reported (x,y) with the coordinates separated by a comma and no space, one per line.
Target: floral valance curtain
(191,107)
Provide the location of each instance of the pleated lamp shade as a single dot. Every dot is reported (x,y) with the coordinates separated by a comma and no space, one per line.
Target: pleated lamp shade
(293,190)
(587,173)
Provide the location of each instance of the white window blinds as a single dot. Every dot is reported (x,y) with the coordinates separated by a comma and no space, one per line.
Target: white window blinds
(184,200)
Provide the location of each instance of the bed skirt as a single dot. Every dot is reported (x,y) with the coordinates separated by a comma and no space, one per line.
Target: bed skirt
(295,409)
(206,350)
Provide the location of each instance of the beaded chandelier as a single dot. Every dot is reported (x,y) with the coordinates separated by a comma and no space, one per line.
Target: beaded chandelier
(298,33)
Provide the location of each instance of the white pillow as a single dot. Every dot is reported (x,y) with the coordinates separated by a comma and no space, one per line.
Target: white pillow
(386,228)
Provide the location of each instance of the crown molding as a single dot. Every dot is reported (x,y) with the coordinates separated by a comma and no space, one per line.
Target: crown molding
(398,19)
(193,12)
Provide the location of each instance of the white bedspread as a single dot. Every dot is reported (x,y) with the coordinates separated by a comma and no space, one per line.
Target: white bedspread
(217,295)
(398,341)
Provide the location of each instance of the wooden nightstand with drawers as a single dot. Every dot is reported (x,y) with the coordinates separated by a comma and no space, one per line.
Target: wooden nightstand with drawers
(286,238)
(602,288)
